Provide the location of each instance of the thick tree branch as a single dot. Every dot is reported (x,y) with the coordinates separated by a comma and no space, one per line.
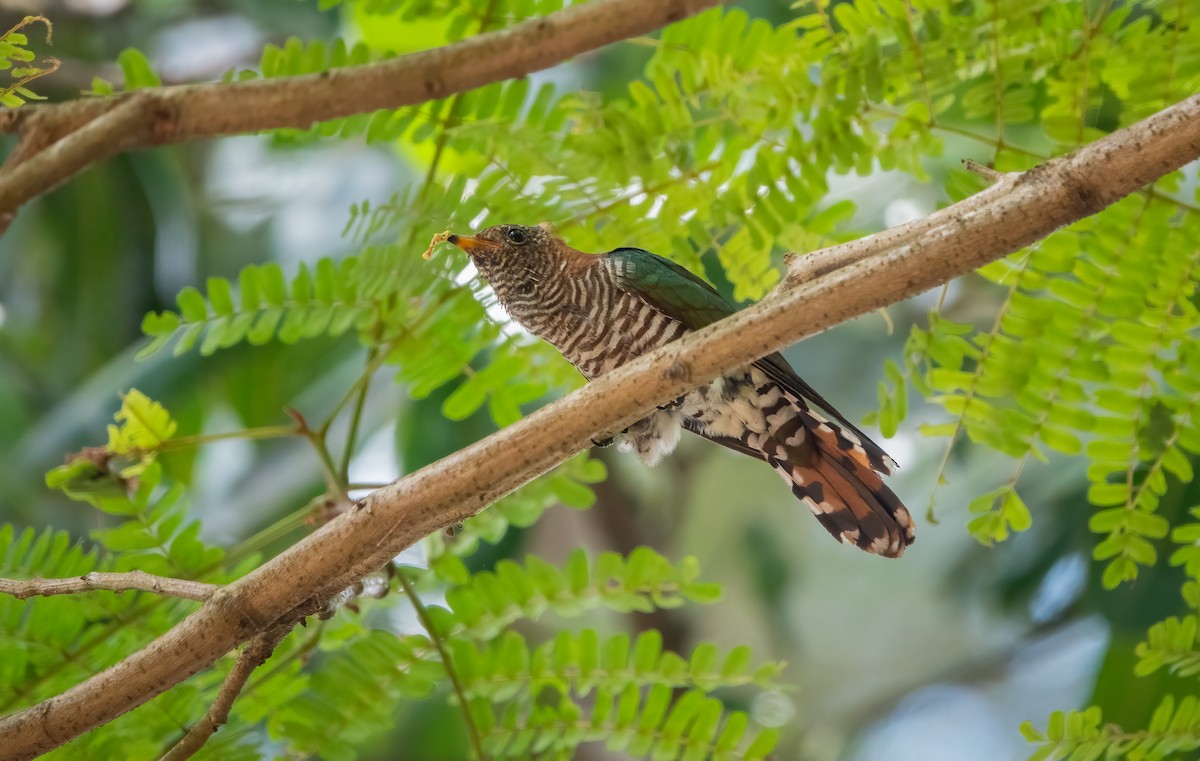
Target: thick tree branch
(112,582)
(189,112)
(847,281)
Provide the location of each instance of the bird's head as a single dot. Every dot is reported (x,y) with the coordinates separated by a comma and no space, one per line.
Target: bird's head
(502,247)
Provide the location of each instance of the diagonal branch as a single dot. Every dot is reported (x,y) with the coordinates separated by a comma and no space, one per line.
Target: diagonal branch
(109,133)
(190,112)
(112,582)
(846,281)
(252,656)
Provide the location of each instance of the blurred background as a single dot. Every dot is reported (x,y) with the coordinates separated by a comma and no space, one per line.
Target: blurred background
(937,656)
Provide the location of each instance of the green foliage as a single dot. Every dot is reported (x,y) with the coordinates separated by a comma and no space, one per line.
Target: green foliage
(508,668)
(328,299)
(1174,730)
(488,602)
(1174,727)
(1171,643)
(143,425)
(723,150)
(154,535)
(367,673)
(39,631)
(51,641)
(1115,366)
(18,60)
(456,14)
(1094,351)
(644,724)
(1188,555)
(565,485)
(101,475)
(296,57)
(137,70)
(353,694)
(299,57)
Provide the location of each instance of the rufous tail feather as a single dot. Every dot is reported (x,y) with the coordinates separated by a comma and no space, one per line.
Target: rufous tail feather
(832,473)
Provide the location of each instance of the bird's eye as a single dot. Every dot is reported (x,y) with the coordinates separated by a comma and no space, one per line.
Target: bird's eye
(517,235)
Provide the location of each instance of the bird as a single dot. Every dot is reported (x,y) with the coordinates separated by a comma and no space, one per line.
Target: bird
(603,310)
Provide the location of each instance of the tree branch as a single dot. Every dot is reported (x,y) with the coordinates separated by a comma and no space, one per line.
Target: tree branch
(821,290)
(112,582)
(986,172)
(190,112)
(252,656)
(109,133)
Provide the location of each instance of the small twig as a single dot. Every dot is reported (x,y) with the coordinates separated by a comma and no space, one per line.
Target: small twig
(317,438)
(111,582)
(252,656)
(367,485)
(375,361)
(986,172)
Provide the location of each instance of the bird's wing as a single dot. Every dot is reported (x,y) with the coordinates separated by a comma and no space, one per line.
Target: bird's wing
(668,287)
(684,296)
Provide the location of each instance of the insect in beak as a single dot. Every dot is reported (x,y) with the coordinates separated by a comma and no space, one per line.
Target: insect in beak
(466,243)
(469,244)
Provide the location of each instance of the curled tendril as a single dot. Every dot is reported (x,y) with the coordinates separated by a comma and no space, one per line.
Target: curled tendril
(46,66)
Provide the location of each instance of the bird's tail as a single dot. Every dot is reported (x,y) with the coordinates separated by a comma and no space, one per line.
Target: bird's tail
(834,472)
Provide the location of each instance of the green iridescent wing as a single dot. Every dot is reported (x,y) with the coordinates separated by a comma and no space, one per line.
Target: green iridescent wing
(668,287)
(680,294)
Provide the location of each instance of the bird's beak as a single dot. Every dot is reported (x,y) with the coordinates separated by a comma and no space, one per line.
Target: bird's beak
(469,244)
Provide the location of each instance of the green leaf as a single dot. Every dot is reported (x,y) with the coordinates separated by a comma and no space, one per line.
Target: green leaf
(143,424)
(137,70)
(192,305)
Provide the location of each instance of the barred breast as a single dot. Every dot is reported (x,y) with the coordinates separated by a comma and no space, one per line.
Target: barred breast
(596,325)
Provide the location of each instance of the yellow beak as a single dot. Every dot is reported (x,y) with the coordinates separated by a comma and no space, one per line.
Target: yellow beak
(468,244)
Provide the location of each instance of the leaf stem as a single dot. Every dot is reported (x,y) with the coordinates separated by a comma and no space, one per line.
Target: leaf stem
(331,475)
(360,400)
(316,437)
(451,672)
(268,534)
(265,432)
